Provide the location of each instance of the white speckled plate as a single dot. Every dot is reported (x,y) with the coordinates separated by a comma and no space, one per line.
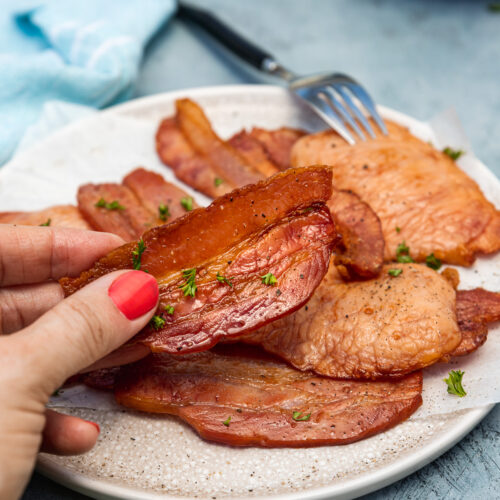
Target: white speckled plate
(147,456)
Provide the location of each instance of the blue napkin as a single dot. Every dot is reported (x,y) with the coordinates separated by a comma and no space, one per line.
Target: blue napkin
(85,52)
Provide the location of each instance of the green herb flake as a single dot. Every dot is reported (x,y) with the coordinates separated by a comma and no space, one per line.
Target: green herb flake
(433,262)
(187,203)
(137,254)
(227,422)
(298,417)
(163,212)
(398,229)
(494,7)
(47,222)
(114,205)
(269,279)
(454,154)
(57,392)
(394,272)
(169,309)
(189,288)
(218,181)
(223,279)
(157,322)
(454,383)
(403,253)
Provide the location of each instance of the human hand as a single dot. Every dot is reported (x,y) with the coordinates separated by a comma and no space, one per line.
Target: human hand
(56,338)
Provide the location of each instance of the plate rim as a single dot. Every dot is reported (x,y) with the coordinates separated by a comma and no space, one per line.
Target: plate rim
(363,484)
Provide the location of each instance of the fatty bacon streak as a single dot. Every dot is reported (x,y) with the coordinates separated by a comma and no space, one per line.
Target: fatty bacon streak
(243,397)
(280,228)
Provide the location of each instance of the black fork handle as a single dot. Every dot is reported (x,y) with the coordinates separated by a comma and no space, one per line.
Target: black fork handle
(225,35)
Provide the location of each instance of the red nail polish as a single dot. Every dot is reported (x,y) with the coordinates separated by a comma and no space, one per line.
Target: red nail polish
(95,424)
(134,293)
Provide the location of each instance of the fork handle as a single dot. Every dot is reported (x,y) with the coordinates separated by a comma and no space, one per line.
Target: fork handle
(225,35)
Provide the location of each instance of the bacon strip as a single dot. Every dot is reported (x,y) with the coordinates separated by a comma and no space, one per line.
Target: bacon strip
(475,309)
(152,190)
(280,226)
(256,396)
(128,223)
(59,216)
(361,254)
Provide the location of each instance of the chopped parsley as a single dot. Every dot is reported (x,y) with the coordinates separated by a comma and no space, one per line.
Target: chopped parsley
(114,205)
(137,254)
(394,272)
(494,7)
(218,181)
(189,288)
(398,229)
(454,382)
(403,253)
(227,422)
(433,262)
(454,154)
(47,222)
(298,417)
(157,322)
(163,212)
(57,392)
(223,279)
(269,279)
(169,309)
(187,203)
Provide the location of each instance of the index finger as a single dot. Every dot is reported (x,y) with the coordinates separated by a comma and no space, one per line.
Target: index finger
(34,254)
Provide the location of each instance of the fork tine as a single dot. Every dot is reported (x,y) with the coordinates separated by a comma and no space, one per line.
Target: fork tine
(350,104)
(327,113)
(367,102)
(340,108)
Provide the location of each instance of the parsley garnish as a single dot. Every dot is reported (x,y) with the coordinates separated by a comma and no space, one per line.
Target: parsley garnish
(454,154)
(47,222)
(298,417)
(494,7)
(398,229)
(56,392)
(223,279)
(187,203)
(137,254)
(227,421)
(454,382)
(394,272)
(218,181)
(114,205)
(269,279)
(433,262)
(169,309)
(403,253)
(157,322)
(189,288)
(163,212)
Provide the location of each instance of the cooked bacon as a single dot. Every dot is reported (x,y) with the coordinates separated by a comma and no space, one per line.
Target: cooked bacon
(386,327)
(279,226)
(103,379)
(412,186)
(128,223)
(188,166)
(60,216)
(361,254)
(152,190)
(278,143)
(225,160)
(257,395)
(253,152)
(475,309)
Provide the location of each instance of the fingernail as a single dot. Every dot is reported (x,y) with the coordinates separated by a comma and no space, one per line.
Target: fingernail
(134,293)
(95,424)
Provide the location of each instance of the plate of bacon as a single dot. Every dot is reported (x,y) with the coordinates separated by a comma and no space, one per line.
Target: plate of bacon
(312,295)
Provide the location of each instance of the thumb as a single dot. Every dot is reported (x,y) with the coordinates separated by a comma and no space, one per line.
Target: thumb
(86,326)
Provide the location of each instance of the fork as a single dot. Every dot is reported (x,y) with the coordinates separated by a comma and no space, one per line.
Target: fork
(333,96)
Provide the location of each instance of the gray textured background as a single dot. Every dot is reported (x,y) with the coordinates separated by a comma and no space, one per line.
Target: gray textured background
(419,57)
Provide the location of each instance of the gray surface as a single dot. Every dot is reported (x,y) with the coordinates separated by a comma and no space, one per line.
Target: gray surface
(417,57)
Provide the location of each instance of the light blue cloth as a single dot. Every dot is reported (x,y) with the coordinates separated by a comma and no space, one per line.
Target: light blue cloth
(80,51)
